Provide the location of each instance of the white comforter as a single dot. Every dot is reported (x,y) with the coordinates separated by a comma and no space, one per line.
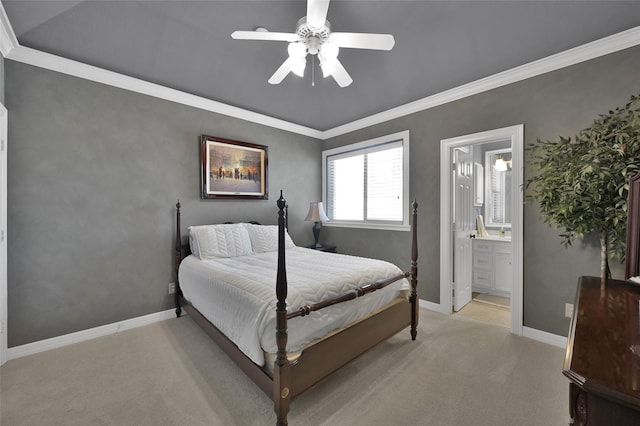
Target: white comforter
(238,294)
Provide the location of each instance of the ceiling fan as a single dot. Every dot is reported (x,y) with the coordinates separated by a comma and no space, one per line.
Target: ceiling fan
(313,36)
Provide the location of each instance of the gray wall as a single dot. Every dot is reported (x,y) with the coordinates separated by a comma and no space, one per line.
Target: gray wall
(95,171)
(93,178)
(558,103)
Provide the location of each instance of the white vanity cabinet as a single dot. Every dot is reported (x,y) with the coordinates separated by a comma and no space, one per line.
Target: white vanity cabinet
(492,266)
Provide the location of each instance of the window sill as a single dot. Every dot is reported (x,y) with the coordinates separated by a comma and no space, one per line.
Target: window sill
(377,226)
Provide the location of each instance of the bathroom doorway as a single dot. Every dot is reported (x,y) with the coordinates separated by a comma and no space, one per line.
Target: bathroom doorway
(481,224)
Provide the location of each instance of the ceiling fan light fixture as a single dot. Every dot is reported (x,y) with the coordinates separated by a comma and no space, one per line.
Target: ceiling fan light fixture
(297,50)
(313,36)
(328,55)
(299,64)
(329,50)
(328,66)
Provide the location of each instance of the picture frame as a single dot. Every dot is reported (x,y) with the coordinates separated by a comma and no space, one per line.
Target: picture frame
(231,169)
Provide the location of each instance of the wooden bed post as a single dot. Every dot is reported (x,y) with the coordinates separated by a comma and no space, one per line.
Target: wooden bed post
(281,373)
(178,260)
(414,272)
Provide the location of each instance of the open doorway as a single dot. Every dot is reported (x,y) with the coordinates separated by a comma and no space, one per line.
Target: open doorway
(481,220)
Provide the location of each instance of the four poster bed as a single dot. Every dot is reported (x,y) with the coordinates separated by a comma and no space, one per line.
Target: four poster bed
(316,320)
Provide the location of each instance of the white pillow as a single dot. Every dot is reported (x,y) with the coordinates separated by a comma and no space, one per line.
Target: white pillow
(227,240)
(264,238)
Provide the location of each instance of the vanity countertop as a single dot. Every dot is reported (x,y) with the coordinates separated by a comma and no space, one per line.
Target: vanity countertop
(505,239)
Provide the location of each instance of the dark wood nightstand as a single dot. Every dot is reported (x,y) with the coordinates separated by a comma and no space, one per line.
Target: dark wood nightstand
(321,247)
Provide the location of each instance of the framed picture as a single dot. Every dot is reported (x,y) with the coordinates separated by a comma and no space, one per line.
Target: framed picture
(232,169)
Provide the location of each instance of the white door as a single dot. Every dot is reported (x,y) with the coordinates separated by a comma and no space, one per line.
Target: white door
(3,234)
(463,225)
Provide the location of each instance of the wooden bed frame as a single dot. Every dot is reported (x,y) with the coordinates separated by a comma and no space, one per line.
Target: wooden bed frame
(317,361)
(632,257)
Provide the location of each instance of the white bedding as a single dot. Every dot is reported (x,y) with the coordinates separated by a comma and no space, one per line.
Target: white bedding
(238,296)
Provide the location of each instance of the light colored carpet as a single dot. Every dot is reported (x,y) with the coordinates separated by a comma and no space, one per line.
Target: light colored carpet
(487,312)
(491,299)
(459,371)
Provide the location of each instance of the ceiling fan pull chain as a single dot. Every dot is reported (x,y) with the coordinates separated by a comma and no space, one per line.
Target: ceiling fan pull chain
(313,70)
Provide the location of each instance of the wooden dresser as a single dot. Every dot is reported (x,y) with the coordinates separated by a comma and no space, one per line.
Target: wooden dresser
(603,354)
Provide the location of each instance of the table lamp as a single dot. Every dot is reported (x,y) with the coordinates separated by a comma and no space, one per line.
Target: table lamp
(317,216)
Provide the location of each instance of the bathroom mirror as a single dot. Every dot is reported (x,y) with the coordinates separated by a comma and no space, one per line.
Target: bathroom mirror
(497,166)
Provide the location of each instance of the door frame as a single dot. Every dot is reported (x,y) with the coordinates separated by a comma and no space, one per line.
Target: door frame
(4,125)
(516,135)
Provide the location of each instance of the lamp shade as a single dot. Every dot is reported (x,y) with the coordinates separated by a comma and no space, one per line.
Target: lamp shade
(316,213)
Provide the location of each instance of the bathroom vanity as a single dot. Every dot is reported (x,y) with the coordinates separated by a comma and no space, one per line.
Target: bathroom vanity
(492,265)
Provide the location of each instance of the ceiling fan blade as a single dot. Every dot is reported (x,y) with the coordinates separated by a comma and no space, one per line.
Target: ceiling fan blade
(364,41)
(264,35)
(281,72)
(341,76)
(317,12)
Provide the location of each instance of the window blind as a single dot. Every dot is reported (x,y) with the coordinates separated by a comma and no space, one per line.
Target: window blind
(366,184)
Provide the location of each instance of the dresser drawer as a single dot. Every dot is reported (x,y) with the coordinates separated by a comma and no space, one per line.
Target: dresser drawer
(502,248)
(482,261)
(482,278)
(484,246)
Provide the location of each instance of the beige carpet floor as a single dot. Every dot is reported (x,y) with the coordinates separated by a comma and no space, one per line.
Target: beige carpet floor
(458,372)
(488,313)
(491,299)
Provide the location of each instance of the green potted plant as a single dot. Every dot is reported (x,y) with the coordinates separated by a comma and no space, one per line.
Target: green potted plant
(582,183)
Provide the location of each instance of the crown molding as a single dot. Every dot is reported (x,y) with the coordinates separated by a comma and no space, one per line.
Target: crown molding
(8,40)
(51,62)
(11,49)
(585,52)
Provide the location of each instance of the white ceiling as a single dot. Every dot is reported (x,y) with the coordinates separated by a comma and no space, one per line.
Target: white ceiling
(186,45)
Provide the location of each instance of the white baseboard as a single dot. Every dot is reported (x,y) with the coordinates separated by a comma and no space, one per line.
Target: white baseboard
(105,330)
(544,337)
(92,333)
(531,333)
(437,307)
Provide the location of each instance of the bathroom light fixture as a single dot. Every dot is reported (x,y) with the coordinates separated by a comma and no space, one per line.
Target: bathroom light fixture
(501,165)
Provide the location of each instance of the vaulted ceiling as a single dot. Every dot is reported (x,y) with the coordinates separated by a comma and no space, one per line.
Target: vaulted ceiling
(440,45)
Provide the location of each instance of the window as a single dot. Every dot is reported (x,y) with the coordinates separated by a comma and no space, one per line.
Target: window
(366,185)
